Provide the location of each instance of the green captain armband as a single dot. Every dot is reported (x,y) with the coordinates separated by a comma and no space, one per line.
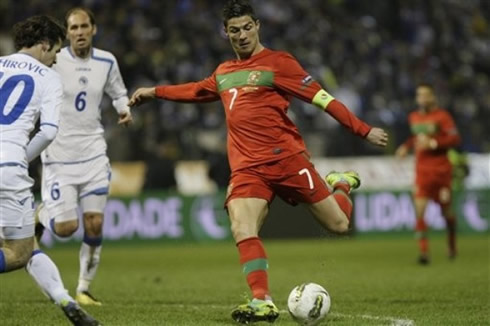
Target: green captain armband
(322,99)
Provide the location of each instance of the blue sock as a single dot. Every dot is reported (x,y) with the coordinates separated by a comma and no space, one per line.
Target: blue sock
(37,251)
(92,241)
(3,265)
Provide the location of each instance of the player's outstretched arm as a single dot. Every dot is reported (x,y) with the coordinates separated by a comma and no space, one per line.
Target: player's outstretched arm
(201,91)
(345,117)
(349,120)
(142,95)
(294,80)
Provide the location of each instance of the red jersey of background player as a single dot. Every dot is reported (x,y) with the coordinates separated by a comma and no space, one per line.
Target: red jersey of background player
(256,93)
(439,126)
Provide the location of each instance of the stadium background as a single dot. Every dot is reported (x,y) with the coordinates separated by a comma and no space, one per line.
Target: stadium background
(170,168)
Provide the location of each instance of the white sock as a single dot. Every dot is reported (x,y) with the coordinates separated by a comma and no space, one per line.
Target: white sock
(89,261)
(44,218)
(46,274)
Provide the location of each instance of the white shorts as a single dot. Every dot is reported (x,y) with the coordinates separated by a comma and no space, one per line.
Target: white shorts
(64,186)
(17,233)
(16,203)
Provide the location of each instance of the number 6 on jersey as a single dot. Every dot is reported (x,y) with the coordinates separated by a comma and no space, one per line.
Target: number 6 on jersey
(55,191)
(80,101)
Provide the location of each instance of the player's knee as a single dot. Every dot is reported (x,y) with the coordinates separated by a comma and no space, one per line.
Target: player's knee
(17,254)
(241,231)
(336,221)
(25,256)
(340,225)
(66,229)
(93,224)
(343,227)
(21,257)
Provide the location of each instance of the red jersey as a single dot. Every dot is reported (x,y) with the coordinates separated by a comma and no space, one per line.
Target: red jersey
(255,93)
(438,125)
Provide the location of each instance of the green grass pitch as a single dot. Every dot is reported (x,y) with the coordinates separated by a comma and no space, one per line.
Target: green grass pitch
(371,280)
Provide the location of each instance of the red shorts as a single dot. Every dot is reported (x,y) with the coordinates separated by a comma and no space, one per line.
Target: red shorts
(435,186)
(293,178)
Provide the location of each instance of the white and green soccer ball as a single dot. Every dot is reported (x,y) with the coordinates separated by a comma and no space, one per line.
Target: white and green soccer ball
(309,304)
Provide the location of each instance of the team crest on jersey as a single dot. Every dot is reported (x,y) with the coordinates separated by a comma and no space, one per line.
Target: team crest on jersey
(83,81)
(253,77)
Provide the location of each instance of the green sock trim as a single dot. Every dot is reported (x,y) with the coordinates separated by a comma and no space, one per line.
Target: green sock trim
(255,265)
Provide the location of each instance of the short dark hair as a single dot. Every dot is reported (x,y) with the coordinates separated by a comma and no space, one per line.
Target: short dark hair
(237,8)
(37,29)
(89,13)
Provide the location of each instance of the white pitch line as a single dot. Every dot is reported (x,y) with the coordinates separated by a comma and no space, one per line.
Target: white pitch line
(394,321)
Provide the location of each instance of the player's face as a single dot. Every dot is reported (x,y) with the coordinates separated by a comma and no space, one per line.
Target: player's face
(48,56)
(80,31)
(425,97)
(243,33)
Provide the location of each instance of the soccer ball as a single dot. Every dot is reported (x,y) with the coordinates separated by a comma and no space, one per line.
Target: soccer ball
(309,304)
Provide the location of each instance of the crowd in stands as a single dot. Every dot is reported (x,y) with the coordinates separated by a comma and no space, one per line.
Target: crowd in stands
(369,54)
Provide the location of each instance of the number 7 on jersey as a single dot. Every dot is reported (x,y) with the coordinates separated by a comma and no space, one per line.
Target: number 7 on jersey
(308,174)
(235,94)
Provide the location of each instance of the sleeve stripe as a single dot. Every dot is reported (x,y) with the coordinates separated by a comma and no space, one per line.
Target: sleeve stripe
(48,124)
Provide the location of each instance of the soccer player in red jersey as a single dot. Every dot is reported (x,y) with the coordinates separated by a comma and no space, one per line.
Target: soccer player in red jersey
(266,152)
(434,133)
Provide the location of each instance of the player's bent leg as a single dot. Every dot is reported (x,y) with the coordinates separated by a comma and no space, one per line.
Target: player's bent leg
(18,253)
(65,229)
(247,216)
(15,253)
(334,212)
(16,222)
(58,212)
(421,229)
(45,273)
(62,223)
(329,214)
(90,250)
